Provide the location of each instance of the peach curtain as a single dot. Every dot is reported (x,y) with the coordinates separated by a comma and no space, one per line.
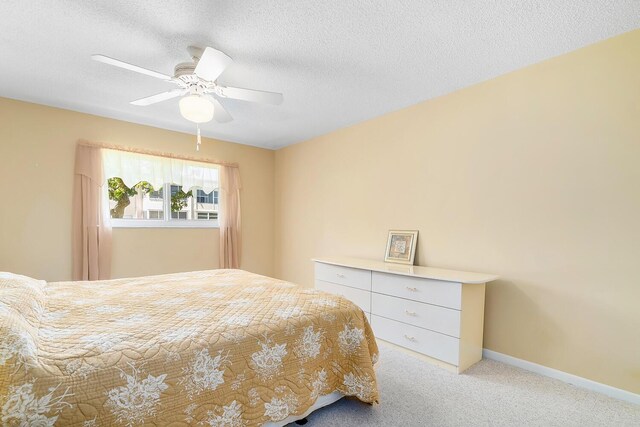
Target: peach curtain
(91,228)
(230,244)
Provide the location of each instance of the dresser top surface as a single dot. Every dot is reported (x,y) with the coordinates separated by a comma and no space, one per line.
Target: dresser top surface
(409,270)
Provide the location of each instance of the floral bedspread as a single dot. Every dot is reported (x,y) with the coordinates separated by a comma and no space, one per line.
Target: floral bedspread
(219,348)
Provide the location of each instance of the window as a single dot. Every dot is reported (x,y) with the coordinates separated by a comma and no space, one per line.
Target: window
(154,191)
(143,206)
(152,214)
(207,215)
(179,215)
(210,198)
(156,195)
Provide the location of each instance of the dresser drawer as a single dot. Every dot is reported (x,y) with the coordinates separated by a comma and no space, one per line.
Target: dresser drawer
(352,277)
(445,294)
(359,297)
(433,317)
(433,344)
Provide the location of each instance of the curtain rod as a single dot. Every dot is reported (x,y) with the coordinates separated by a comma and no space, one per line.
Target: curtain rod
(157,153)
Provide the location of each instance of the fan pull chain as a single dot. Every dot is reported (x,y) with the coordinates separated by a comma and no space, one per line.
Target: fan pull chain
(198,139)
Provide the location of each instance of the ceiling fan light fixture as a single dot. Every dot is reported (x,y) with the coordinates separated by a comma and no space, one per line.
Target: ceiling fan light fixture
(196,108)
(198,80)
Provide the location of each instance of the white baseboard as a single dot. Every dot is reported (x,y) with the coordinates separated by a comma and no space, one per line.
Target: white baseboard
(563,376)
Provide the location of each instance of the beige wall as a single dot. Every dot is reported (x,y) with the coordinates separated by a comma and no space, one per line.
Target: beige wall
(36,178)
(534,176)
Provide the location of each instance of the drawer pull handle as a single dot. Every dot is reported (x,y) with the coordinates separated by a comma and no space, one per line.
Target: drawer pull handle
(410,313)
(409,288)
(410,338)
(340,275)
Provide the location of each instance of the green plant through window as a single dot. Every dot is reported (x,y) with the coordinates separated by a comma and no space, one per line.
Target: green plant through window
(121,194)
(179,199)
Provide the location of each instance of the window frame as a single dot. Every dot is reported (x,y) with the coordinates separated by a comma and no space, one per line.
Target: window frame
(166,221)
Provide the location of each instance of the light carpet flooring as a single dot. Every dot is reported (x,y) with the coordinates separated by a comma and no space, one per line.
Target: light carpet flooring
(414,393)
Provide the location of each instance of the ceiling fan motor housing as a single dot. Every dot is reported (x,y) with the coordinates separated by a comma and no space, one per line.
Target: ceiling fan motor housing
(186,78)
(184,68)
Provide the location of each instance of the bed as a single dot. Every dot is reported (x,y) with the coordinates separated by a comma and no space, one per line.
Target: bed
(220,348)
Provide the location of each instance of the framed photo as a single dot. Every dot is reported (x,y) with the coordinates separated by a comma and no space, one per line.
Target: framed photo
(401,246)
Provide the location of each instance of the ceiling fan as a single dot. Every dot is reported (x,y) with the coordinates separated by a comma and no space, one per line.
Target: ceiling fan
(201,94)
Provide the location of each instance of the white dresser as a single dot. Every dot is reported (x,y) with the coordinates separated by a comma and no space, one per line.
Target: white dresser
(436,313)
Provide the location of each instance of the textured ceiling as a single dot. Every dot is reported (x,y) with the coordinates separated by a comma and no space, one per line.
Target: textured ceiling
(336,62)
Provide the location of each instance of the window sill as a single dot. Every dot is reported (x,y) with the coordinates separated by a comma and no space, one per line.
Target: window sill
(150,223)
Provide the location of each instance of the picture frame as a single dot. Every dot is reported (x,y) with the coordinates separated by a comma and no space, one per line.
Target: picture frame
(401,246)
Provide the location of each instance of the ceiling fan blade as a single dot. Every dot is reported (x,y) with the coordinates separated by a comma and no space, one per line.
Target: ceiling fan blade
(130,67)
(220,114)
(211,64)
(251,95)
(159,97)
